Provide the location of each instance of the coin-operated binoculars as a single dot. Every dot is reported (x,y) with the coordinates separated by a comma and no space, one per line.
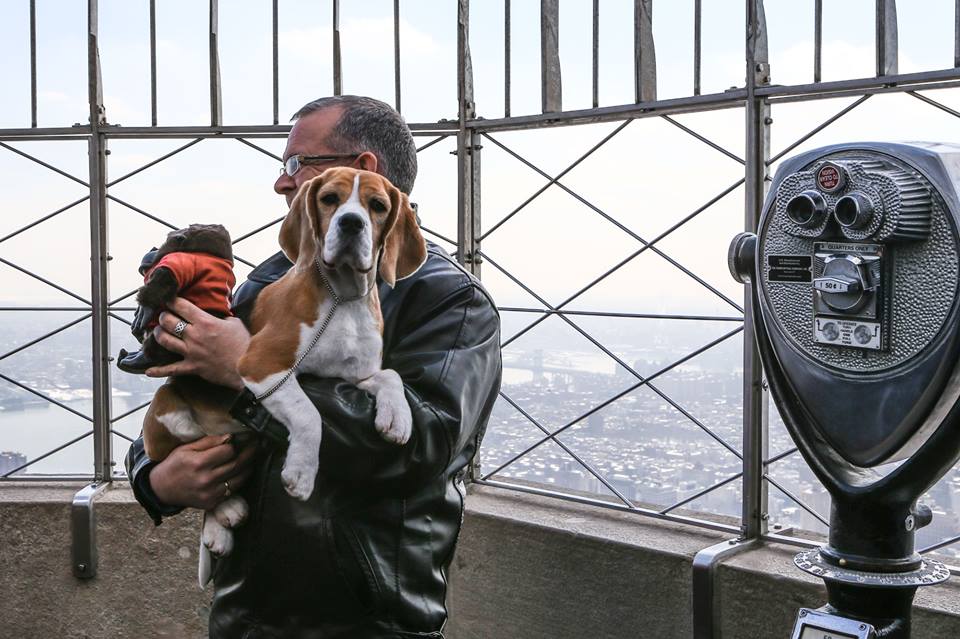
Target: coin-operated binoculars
(854,278)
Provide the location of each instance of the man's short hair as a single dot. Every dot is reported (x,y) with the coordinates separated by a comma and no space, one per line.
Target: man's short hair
(371,125)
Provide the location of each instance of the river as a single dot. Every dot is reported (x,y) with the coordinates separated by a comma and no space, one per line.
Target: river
(37,429)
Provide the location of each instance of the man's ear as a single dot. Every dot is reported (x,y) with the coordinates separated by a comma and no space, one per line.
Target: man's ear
(366,161)
(404,249)
(298,237)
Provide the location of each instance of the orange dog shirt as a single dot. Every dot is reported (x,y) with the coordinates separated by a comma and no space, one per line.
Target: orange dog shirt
(203,279)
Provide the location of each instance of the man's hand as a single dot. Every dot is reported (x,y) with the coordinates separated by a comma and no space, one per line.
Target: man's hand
(196,474)
(211,347)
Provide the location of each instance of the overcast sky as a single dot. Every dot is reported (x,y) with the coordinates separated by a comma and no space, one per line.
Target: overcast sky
(648,176)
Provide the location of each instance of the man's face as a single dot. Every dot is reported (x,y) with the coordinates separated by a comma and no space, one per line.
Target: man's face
(308,137)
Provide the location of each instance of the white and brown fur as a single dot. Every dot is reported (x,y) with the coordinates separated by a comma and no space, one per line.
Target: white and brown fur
(285,319)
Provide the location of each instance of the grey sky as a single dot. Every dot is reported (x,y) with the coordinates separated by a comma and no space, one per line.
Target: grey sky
(648,176)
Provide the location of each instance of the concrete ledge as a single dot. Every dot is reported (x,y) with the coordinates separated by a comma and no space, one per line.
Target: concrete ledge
(146,584)
(527,567)
(530,566)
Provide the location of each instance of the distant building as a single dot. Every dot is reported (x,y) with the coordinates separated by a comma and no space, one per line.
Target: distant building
(625,484)
(595,424)
(10,460)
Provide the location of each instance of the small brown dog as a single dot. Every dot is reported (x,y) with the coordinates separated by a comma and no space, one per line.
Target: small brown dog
(195,263)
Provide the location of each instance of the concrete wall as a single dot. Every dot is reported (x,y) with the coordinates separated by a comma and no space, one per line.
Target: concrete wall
(527,567)
(534,567)
(146,585)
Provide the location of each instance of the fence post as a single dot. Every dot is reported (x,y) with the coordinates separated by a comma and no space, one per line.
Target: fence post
(754,517)
(99,281)
(337,62)
(753,525)
(468,166)
(887,37)
(644,52)
(551,90)
(216,100)
(468,156)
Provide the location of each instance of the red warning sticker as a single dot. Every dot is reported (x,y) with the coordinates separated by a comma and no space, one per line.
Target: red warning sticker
(828,177)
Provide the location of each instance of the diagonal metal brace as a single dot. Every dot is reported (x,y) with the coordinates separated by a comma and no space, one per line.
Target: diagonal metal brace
(83,530)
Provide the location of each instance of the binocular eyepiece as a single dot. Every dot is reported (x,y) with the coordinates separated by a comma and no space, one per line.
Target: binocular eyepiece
(857,199)
(809,210)
(854,211)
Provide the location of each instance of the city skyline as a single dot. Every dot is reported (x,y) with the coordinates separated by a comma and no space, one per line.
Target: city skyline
(647,450)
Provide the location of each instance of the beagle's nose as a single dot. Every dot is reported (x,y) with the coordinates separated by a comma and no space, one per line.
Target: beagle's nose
(351,223)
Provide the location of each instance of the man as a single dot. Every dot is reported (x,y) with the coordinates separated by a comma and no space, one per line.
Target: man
(367,555)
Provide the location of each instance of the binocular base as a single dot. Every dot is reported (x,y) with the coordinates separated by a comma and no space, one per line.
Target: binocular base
(930,572)
(863,604)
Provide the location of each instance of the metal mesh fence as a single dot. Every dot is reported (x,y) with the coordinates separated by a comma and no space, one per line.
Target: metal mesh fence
(621,148)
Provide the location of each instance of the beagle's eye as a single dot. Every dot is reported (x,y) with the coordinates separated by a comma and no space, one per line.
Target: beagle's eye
(331,198)
(378,206)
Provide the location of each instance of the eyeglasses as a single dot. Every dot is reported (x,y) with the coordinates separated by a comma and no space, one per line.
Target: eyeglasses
(295,162)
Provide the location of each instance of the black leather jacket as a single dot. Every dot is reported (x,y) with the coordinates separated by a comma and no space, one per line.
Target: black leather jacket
(367,555)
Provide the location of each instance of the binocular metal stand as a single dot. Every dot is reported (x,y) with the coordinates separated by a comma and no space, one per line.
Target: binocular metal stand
(870,567)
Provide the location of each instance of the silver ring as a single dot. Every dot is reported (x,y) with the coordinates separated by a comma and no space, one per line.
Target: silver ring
(226,485)
(179,328)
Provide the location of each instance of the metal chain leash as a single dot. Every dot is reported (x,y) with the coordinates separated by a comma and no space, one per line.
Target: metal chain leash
(337,301)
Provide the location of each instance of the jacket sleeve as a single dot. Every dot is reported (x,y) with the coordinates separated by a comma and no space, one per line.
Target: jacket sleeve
(138,471)
(448,354)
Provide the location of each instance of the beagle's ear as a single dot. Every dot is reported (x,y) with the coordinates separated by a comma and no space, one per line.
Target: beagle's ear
(404,249)
(298,234)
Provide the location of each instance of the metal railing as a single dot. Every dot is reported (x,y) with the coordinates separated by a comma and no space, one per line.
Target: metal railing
(471,133)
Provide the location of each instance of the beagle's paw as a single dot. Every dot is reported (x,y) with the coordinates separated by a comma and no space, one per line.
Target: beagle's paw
(215,537)
(231,512)
(298,478)
(393,421)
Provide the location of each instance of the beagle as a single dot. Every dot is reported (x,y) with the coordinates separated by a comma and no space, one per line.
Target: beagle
(322,317)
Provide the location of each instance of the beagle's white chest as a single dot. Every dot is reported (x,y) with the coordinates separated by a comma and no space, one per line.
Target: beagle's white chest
(351,345)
